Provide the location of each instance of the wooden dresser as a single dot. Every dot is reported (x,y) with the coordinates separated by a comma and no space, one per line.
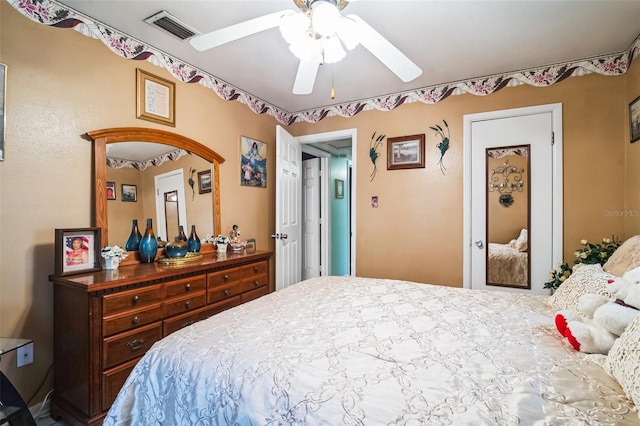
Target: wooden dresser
(105,321)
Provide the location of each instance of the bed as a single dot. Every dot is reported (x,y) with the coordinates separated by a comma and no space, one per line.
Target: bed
(361,351)
(507,265)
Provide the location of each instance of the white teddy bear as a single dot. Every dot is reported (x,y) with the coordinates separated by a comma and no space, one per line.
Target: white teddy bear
(603,319)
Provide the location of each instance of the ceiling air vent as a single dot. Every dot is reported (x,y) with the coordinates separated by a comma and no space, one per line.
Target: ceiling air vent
(171,24)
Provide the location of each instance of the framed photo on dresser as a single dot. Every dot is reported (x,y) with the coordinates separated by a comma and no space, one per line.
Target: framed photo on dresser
(77,250)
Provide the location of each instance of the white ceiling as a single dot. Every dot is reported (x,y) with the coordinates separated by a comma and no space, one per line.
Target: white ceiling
(449,40)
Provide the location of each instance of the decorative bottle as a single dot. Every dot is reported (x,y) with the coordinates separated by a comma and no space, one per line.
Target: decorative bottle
(133,243)
(148,244)
(194,241)
(181,235)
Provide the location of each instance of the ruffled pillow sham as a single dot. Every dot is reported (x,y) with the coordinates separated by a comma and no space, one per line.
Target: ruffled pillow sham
(584,279)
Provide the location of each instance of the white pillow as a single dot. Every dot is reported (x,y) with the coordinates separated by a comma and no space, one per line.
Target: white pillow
(522,243)
(625,258)
(623,361)
(584,279)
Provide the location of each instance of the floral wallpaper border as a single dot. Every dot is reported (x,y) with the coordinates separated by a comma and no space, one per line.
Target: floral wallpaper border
(54,14)
(117,163)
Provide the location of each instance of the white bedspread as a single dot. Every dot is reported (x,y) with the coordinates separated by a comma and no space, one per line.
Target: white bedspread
(356,351)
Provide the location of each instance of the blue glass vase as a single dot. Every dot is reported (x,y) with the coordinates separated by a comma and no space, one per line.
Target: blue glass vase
(133,243)
(193,242)
(148,244)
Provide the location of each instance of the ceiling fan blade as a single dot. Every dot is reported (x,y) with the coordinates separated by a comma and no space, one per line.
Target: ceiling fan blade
(237,31)
(386,52)
(305,78)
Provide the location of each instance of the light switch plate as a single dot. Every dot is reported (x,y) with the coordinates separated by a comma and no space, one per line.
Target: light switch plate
(25,355)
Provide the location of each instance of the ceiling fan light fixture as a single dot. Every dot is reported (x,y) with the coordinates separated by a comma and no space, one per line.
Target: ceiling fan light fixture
(325,17)
(308,49)
(293,25)
(332,50)
(348,32)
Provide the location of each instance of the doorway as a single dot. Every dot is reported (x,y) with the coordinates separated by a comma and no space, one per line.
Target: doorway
(171,210)
(507,136)
(288,232)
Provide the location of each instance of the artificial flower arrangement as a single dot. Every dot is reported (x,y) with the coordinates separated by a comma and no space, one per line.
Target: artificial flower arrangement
(221,239)
(113,252)
(588,254)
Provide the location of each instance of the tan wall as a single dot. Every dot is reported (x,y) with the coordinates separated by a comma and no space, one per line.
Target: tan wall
(632,153)
(62,84)
(422,209)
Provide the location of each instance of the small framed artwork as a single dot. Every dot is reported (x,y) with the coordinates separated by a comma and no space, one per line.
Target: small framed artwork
(339,188)
(77,251)
(129,193)
(406,152)
(156,98)
(634,119)
(111,190)
(253,162)
(204,182)
(3,85)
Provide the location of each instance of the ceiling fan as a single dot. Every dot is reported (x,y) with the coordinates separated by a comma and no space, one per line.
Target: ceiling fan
(316,34)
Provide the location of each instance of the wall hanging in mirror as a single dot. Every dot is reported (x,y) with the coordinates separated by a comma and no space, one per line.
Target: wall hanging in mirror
(506,178)
(406,152)
(339,188)
(253,162)
(156,98)
(204,182)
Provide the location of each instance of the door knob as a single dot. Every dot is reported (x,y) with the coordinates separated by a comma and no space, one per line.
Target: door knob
(479,243)
(276,236)
(284,236)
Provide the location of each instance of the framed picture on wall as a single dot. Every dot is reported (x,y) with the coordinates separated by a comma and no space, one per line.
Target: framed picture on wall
(253,162)
(129,193)
(77,250)
(634,119)
(111,190)
(156,98)
(204,182)
(406,152)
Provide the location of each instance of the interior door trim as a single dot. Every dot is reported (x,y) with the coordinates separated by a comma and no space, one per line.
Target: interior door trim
(557,201)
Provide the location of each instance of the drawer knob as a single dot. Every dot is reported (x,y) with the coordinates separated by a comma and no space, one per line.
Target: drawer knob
(256,283)
(187,286)
(186,324)
(136,319)
(135,344)
(226,292)
(187,303)
(226,277)
(255,269)
(136,299)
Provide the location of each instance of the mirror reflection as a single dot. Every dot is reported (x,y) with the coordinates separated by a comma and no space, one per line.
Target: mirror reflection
(508,212)
(161,175)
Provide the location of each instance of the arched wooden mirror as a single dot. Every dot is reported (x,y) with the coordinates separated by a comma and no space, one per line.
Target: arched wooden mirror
(101,138)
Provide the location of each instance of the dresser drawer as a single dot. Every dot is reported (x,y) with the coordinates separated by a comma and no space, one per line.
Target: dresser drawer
(255,282)
(132,344)
(117,302)
(253,294)
(184,304)
(112,381)
(255,269)
(222,292)
(130,319)
(185,286)
(223,277)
